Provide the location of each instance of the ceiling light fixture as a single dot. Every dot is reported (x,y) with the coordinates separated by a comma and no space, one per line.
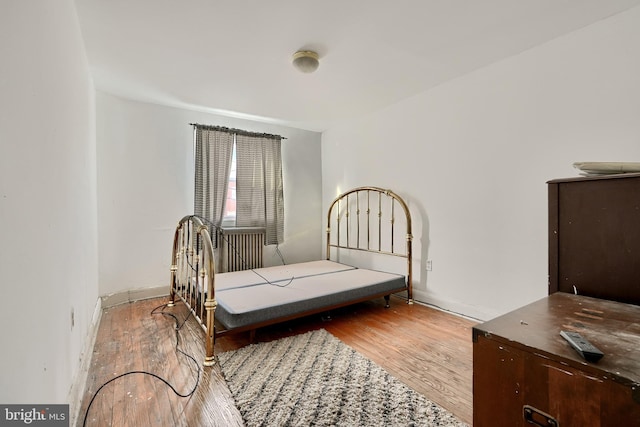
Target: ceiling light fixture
(306,61)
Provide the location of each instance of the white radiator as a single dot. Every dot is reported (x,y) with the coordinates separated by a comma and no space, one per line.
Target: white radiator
(241,248)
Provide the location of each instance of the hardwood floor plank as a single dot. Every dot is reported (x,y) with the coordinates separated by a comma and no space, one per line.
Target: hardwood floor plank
(427,349)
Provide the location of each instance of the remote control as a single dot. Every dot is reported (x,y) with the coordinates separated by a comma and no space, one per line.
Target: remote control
(587,350)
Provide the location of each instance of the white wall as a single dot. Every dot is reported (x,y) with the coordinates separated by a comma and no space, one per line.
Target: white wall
(472,158)
(48,243)
(145,185)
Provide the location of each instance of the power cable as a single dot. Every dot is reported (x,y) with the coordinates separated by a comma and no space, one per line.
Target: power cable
(177,329)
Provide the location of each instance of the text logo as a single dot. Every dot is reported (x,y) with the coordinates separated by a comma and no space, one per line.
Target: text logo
(34,415)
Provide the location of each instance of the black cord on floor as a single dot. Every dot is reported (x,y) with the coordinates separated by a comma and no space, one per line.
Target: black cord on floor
(177,328)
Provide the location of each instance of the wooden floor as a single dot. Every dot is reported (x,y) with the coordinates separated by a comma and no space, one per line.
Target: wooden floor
(429,350)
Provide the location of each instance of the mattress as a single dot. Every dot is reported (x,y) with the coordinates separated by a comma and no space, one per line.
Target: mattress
(254,296)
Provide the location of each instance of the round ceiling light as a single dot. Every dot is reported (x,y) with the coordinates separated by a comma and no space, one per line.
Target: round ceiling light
(306,61)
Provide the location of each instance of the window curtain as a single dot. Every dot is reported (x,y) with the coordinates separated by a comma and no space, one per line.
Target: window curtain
(259,186)
(213,150)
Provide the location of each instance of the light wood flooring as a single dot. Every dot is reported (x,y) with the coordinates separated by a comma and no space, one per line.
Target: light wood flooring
(428,349)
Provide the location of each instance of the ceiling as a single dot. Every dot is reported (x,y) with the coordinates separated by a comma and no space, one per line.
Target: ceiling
(233,57)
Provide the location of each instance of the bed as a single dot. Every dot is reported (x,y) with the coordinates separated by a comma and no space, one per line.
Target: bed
(368,256)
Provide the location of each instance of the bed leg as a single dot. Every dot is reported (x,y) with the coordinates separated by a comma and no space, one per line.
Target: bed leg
(172,291)
(386,301)
(210,341)
(252,336)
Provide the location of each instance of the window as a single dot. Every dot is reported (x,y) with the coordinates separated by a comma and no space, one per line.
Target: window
(238,174)
(230,202)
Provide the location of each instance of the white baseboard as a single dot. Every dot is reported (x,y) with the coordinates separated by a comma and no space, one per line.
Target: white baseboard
(134,295)
(464,310)
(76,393)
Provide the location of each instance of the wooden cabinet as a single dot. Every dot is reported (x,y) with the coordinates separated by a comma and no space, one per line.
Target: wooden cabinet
(523,369)
(594,236)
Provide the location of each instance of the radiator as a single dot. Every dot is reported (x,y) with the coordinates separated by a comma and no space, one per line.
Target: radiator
(241,248)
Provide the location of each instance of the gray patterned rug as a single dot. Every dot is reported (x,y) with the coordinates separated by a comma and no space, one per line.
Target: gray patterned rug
(315,379)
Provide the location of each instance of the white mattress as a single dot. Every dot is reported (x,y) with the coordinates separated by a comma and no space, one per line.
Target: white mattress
(276,274)
(244,298)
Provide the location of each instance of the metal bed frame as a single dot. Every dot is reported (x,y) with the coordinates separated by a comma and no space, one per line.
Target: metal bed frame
(356,221)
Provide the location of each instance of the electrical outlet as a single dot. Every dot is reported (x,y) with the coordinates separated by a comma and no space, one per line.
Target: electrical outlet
(73,318)
(429,265)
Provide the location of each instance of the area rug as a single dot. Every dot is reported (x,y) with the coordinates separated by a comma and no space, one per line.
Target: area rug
(314,379)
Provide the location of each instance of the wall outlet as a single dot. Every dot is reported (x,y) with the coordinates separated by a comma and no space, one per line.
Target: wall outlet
(73,318)
(429,265)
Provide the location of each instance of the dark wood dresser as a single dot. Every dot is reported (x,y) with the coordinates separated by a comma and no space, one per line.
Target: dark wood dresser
(525,373)
(594,236)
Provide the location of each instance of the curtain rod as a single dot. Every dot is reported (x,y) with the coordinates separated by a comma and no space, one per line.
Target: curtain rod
(238,131)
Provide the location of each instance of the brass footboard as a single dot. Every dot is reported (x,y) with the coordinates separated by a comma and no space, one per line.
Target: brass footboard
(193,275)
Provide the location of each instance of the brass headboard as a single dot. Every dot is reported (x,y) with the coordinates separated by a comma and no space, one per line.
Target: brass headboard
(356,220)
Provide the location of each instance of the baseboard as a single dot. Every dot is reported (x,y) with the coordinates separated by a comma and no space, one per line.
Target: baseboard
(134,295)
(76,393)
(464,310)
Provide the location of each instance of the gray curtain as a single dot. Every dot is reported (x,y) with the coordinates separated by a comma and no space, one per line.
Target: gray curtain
(213,150)
(259,187)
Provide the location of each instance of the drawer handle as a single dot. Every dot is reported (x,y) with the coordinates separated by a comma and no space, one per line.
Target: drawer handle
(536,417)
